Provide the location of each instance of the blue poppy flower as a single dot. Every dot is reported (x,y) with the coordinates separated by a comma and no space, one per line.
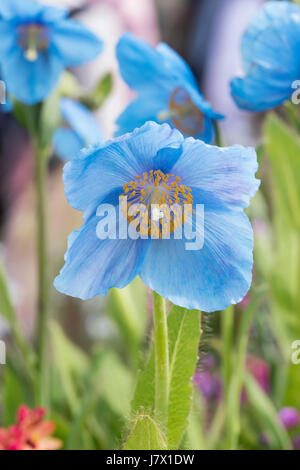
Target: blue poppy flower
(167,90)
(156,162)
(82,129)
(37,43)
(270,49)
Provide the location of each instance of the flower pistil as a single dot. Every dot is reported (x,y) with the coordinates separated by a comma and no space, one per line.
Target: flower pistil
(33,38)
(166,202)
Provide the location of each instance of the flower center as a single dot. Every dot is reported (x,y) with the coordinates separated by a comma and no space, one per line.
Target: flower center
(33,38)
(165,202)
(183,113)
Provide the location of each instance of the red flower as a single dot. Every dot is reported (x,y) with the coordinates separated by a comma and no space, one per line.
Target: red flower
(30,432)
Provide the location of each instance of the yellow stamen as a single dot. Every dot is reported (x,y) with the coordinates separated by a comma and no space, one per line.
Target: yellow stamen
(163,190)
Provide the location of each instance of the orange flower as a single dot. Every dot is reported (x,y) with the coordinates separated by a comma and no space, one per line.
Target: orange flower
(30,432)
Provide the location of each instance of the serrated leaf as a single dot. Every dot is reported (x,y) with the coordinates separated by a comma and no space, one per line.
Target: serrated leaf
(184,336)
(145,389)
(145,435)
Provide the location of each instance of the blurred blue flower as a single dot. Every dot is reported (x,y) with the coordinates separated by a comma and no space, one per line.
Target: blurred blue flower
(156,161)
(81,130)
(37,43)
(270,49)
(167,90)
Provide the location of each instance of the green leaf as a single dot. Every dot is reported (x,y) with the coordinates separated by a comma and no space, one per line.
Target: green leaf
(184,336)
(283,147)
(69,85)
(6,306)
(8,312)
(195,438)
(128,308)
(266,413)
(102,90)
(27,116)
(70,362)
(145,435)
(145,389)
(16,391)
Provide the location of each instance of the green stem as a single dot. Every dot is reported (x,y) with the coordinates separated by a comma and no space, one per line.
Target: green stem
(43,295)
(161,348)
(218,138)
(292,114)
(8,311)
(227,325)
(233,399)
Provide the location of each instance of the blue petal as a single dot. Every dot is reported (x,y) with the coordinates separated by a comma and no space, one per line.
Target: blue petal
(102,169)
(211,278)
(7,107)
(66,143)
(8,39)
(166,158)
(93,266)
(50,15)
(270,52)
(30,82)
(144,108)
(256,92)
(226,176)
(277,23)
(155,74)
(82,121)
(19,8)
(202,104)
(142,67)
(147,107)
(208,133)
(176,62)
(74,43)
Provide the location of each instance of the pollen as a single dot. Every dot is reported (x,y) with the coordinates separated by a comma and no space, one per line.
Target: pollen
(165,201)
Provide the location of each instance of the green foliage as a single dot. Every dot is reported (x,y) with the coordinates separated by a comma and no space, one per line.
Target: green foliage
(95,99)
(50,118)
(283,150)
(15,391)
(145,435)
(266,413)
(128,308)
(283,147)
(184,335)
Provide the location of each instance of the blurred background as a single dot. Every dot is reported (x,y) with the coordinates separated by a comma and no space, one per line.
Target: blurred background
(101,342)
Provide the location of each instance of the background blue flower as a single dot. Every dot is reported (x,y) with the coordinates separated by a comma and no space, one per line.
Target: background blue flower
(220,178)
(270,50)
(167,90)
(37,43)
(81,130)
